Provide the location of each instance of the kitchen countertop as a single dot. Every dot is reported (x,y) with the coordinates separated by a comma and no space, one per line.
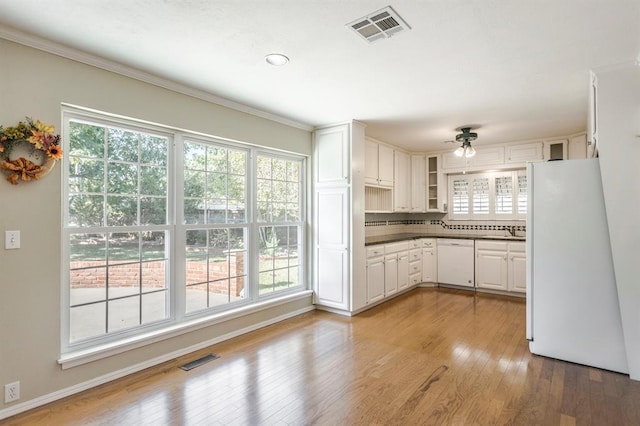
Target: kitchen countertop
(392,238)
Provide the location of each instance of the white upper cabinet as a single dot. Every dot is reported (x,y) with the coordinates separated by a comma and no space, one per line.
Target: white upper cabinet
(332,155)
(578,147)
(556,150)
(522,153)
(488,156)
(418,183)
(401,182)
(378,164)
(485,156)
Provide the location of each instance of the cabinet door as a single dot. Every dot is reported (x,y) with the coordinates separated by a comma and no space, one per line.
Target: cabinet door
(403,270)
(491,269)
(371,163)
(436,185)
(491,156)
(518,272)
(418,183)
(578,147)
(375,279)
(390,274)
(401,182)
(331,269)
(429,265)
(332,155)
(522,153)
(385,166)
(556,150)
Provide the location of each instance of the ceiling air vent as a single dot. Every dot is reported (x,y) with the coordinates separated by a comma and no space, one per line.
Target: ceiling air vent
(380,24)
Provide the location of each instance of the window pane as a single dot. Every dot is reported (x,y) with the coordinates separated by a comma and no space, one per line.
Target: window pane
(504,195)
(460,198)
(118,282)
(278,258)
(153,180)
(122,145)
(86,175)
(154,307)
(87,321)
(216,267)
(123,313)
(86,210)
(480,195)
(522,194)
(86,140)
(122,211)
(194,156)
(153,150)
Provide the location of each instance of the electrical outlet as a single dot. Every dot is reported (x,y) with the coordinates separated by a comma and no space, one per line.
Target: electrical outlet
(11,392)
(11,240)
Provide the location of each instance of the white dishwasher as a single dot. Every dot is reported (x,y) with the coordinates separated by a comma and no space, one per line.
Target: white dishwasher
(456,262)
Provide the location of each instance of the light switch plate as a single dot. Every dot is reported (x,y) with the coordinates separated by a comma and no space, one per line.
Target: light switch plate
(11,240)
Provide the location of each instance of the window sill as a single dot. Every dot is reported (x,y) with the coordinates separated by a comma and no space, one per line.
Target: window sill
(77,358)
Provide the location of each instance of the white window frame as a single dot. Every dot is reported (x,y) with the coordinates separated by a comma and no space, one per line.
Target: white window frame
(177,321)
(492,214)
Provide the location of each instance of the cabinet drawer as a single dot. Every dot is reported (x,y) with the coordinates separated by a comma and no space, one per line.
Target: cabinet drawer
(415,279)
(415,268)
(430,243)
(413,244)
(396,247)
(517,246)
(374,251)
(415,254)
(491,245)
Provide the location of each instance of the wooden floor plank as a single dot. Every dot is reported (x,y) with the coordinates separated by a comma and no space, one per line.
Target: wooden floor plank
(429,357)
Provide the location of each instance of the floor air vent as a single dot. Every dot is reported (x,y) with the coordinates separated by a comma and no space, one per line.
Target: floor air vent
(198,362)
(380,24)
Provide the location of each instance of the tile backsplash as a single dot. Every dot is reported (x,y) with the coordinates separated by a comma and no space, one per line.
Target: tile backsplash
(378,226)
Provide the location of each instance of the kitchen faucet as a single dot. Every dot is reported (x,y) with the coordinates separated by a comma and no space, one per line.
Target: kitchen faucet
(511,230)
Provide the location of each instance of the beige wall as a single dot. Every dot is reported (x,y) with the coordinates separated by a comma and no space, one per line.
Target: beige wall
(34,83)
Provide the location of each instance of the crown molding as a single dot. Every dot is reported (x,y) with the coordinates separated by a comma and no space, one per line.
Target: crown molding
(58,49)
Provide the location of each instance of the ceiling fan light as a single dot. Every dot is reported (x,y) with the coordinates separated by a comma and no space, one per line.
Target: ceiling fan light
(470,151)
(459,152)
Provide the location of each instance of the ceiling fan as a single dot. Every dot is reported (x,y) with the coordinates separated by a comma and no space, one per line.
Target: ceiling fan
(465,138)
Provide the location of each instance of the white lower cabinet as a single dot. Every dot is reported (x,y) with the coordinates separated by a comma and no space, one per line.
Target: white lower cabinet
(517,267)
(491,265)
(415,266)
(501,265)
(390,274)
(429,260)
(375,279)
(389,269)
(403,270)
(375,273)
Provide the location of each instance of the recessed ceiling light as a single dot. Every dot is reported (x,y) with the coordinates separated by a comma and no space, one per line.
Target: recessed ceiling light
(276,59)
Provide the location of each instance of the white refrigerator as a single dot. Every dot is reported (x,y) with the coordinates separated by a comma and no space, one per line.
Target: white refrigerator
(573,312)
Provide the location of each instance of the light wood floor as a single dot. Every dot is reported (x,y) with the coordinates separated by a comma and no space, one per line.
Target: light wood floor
(432,356)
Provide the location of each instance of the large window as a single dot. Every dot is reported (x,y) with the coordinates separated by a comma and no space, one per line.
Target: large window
(161,226)
(488,196)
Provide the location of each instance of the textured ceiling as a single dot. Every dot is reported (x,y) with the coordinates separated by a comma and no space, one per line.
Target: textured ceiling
(517,69)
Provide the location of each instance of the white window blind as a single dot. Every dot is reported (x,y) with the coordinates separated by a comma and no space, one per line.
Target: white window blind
(481,195)
(460,197)
(504,195)
(522,193)
(489,195)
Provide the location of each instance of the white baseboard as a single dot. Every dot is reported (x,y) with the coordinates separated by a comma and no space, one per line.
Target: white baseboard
(63,393)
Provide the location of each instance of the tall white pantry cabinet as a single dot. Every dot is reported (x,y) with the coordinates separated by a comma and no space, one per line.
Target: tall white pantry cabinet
(339,269)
